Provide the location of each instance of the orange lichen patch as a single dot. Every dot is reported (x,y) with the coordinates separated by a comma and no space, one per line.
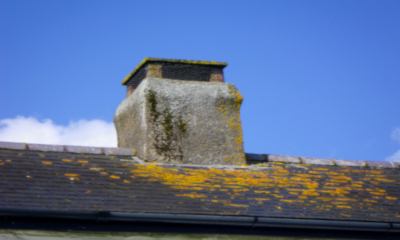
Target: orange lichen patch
(334,173)
(290,200)
(152,179)
(331,184)
(375,176)
(384,180)
(241,190)
(115,177)
(314,172)
(8,160)
(277,196)
(221,201)
(231,183)
(346,215)
(71,174)
(346,199)
(188,188)
(294,189)
(88,191)
(310,193)
(139,171)
(376,172)
(391,198)
(236,205)
(1,163)
(126,181)
(41,155)
(96,169)
(342,178)
(339,181)
(66,160)
(356,185)
(83,161)
(321,169)
(378,193)
(44,162)
(369,200)
(342,206)
(192,195)
(104,173)
(20,154)
(260,199)
(324,199)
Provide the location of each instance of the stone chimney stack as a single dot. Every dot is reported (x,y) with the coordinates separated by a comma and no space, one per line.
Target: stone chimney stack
(181,111)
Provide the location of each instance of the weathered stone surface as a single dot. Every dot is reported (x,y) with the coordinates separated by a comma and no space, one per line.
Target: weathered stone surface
(350,163)
(12,145)
(381,164)
(81,149)
(182,122)
(119,151)
(45,147)
(316,161)
(282,158)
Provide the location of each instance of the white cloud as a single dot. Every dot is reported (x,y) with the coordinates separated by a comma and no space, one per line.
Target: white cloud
(83,132)
(396,156)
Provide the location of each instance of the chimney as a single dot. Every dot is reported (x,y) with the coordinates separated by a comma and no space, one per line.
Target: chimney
(181,111)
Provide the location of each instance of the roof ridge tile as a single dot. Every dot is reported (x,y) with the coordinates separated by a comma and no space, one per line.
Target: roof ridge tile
(260,158)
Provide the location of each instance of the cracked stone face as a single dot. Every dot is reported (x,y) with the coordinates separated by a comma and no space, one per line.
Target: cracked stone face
(179,121)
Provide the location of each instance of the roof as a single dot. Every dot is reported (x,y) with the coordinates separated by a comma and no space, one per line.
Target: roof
(166,60)
(70,178)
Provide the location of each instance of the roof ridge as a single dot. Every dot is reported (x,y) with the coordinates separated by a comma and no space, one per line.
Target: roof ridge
(68,148)
(250,157)
(262,158)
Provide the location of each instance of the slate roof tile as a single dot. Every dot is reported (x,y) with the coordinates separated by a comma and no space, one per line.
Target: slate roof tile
(310,189)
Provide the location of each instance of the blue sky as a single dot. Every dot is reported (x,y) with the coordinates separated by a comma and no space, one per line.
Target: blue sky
(319,78)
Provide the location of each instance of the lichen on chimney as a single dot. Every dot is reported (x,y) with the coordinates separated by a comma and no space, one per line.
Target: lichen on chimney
(167,130)
(182,121)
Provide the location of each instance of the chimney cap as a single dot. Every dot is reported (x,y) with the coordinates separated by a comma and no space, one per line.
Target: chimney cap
(167,60)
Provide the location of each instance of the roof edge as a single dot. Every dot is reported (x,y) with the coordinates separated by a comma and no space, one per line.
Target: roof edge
(68,149)
(150,59)
(250,221)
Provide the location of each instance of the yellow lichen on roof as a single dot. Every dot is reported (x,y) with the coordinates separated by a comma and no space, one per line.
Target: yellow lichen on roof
(275,183)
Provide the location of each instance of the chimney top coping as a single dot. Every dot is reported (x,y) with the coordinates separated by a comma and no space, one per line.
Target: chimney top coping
(149,59)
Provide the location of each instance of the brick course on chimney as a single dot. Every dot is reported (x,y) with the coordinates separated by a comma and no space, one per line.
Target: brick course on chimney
(205,71)
(181,111)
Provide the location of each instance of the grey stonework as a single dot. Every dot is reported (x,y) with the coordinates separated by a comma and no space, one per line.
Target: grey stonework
(178,121)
